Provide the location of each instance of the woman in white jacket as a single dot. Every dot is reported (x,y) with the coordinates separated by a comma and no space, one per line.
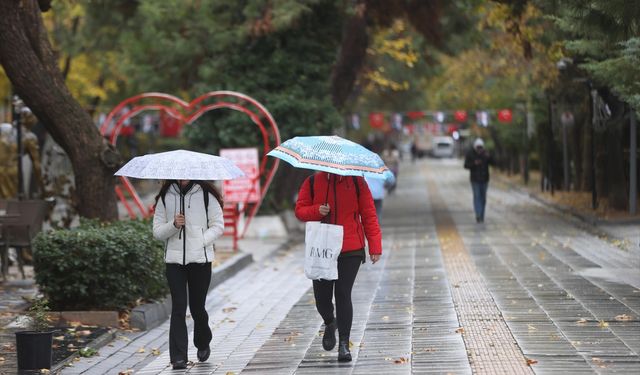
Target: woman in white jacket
(188,218)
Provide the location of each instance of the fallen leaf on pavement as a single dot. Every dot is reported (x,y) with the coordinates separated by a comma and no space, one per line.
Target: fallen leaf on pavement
(624,317)
(155,351)
(230,373)
(582,321)
(603,324)
(401,360)
(531,362)
(141,350)
(460,330)
(227,310)
(126,372)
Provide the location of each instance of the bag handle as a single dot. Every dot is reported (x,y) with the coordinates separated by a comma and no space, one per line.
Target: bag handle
(326,201)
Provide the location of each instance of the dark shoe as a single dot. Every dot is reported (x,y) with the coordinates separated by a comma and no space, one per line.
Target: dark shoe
(344,355)
(203,354)
(329,337)
(179,365)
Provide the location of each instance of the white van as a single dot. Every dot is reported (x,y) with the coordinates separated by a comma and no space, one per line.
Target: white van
(443,147)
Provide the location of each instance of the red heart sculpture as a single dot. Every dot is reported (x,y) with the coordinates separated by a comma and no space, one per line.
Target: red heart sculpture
(187,113)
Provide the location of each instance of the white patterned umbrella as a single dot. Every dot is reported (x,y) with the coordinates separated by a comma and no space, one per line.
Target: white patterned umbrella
(180,165)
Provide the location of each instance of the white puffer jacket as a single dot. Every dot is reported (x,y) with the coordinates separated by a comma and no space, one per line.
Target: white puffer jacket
(195,243)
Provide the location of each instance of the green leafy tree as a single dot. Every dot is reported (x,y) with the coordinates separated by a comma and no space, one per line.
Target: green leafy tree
(601,37)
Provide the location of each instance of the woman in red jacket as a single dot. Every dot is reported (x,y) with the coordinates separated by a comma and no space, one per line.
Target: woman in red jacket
(346,201)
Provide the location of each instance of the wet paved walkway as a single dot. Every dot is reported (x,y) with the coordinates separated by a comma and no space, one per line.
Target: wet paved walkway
(525,292)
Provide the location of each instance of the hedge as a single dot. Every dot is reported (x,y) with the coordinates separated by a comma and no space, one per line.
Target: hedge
(99,266)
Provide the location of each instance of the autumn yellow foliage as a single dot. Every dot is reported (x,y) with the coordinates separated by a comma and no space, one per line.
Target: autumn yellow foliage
(496,73)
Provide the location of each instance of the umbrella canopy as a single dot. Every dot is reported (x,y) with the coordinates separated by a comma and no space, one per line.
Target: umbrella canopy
(180,165)
(331,154)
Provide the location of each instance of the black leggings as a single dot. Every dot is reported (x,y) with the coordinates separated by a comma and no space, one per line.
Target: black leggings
(194,277)
(323,291)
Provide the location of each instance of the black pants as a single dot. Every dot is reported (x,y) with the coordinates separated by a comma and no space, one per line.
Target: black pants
(324,290)
(194,277)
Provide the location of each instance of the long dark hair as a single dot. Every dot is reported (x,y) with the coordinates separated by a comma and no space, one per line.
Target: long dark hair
(207,187)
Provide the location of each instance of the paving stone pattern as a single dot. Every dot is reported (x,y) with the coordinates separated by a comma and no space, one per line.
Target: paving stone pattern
(559,288)
(449,296)
(490,344)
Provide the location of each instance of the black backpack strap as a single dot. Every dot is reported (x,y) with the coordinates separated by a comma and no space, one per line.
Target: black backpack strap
(205,195)
(311,185)
(355,182)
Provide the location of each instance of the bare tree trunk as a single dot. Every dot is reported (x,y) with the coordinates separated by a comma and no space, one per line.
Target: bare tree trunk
(616,181)
(30,64)
(353,52)
(577,146)
(587,163)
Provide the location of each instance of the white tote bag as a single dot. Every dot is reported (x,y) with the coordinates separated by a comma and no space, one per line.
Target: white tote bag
(323,243)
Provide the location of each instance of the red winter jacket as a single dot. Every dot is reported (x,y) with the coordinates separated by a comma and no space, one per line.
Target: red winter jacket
(357,216)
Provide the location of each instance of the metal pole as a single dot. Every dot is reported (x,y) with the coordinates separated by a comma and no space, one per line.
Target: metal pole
(17,108)
(633,166)
(565,157)
(550,148)
(594,193)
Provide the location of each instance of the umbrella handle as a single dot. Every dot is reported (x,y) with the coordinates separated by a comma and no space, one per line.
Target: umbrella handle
(181,213)
(325,219)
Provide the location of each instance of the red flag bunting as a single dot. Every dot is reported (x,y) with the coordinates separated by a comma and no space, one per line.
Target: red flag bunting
(505,116)
(460,116)
(376,120)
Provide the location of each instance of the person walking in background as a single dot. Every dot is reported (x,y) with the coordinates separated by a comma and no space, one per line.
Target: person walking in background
(188,218)
(346,201)
(414,150)
(477,161)
(391,158)
(378,188)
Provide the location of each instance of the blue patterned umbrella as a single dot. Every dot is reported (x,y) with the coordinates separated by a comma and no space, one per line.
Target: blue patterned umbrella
(331,154)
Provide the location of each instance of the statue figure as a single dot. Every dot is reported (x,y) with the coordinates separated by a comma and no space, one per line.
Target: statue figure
(31,157)
(8,162)
(9,157)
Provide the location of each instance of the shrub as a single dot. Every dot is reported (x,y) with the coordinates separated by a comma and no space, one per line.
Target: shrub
(99,266)
(37,315)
